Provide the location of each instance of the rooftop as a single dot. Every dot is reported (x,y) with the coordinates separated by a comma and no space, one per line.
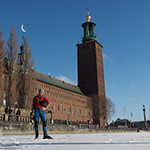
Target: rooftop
(55,82)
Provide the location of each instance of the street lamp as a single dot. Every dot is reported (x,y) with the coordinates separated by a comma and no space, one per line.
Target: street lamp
(68,118)
(51,121)
(68,115)
(15,103)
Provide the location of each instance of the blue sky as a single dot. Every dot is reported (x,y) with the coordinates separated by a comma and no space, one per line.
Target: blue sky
(122,27)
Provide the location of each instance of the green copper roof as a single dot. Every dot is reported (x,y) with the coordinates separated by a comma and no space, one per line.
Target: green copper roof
(55,82)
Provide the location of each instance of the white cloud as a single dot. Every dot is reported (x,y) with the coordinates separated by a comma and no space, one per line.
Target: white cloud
(111,85)
(132,87)
(131,98)
(66,79)
(107,58)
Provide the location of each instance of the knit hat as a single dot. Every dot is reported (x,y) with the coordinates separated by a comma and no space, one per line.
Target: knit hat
(41,90)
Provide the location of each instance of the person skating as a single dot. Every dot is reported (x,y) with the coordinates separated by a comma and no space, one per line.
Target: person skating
(40,104)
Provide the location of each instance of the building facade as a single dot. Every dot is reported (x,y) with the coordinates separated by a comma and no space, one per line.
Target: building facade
(67,102)
(77,103)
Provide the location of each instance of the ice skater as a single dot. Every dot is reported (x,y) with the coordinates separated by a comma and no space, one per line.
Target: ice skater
(40,104)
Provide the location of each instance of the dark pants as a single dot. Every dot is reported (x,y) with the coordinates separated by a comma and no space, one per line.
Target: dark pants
(40,113)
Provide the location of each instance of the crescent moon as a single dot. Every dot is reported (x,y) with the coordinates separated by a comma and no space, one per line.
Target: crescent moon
(23,28)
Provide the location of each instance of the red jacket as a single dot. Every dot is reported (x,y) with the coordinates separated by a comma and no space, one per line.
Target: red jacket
(39,100)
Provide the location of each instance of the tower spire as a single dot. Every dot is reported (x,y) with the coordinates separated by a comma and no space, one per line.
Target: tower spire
(89,32)
(88,17)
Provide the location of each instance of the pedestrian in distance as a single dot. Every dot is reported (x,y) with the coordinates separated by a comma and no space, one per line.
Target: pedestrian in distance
(10,113)
(6,110)
(40,104)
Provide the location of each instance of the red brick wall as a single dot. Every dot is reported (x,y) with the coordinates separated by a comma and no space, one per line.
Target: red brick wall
(58,96)
(65,97)
(91,75)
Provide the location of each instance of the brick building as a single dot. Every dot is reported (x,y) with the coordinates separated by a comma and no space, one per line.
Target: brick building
(76,103)
(67,101)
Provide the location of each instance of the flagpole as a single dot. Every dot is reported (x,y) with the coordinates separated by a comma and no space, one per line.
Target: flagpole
(124,116)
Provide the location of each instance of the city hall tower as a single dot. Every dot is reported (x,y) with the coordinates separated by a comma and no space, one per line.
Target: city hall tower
(90,71)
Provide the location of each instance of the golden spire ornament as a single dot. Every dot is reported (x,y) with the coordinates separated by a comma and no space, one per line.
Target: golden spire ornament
(88,17)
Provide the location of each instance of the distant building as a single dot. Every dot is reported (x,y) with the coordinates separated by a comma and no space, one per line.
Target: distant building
(126,123)
(75,103)
(141,124)
(121,123)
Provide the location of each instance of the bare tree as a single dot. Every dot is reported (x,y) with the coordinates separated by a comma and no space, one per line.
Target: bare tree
(12,57)
(110,108)
(103,109)
(2,55)
(2,47)
(25,75)
(96,108)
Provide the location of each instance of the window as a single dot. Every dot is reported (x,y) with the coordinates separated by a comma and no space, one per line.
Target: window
(61,108)
(54,107)
(58,107)
(77,110)
(82,111)
(86,112)
(72,110)
(67,109)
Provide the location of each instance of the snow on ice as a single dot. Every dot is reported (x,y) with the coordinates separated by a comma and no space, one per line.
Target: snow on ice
(97,141)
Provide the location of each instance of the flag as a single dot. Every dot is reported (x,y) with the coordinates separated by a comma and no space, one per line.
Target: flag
(124,110)
(131,115)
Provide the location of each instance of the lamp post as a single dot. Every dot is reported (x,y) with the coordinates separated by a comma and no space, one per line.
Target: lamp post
(51,120)
(68,118)
(68,115)
(145,117)
(15,103)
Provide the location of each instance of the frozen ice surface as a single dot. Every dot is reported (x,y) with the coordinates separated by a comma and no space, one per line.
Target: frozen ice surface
(97,141)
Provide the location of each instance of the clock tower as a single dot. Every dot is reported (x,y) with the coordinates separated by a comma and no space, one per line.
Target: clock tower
(90,71)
